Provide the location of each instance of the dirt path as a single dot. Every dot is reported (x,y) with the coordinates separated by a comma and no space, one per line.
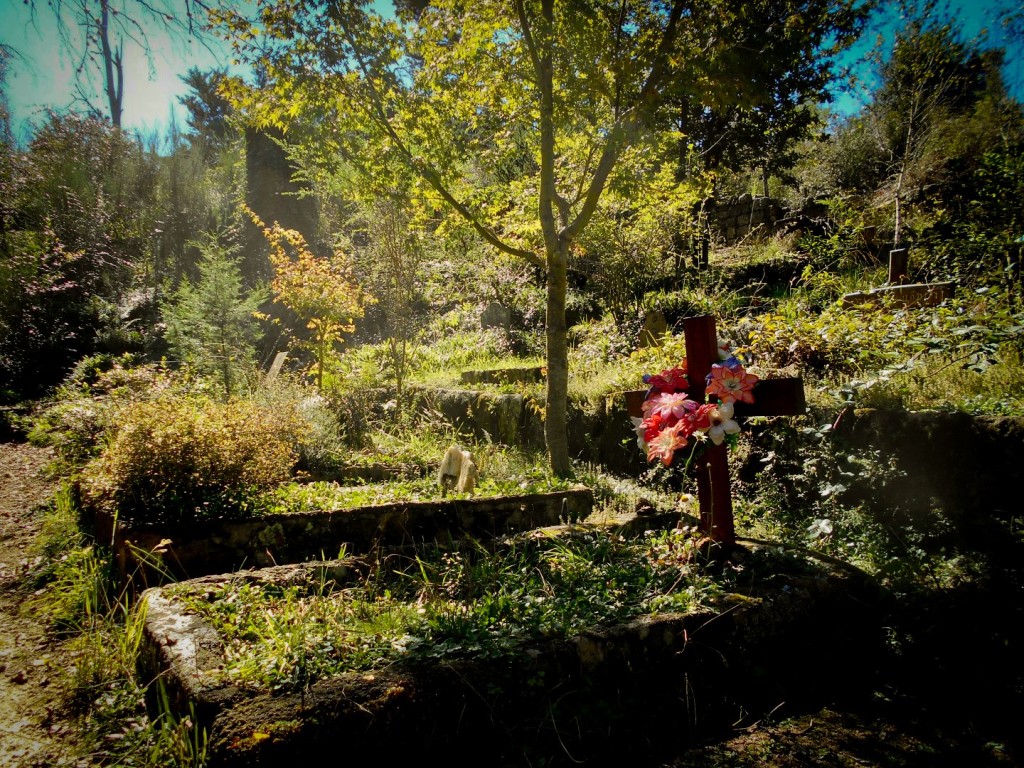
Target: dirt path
(33,731)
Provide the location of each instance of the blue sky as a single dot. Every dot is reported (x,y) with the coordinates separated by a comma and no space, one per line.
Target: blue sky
(43,75)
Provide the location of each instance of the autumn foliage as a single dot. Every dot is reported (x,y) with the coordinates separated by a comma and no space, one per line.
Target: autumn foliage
(322,292)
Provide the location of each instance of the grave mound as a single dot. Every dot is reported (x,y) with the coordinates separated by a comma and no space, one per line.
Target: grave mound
(153,552)
(625,688)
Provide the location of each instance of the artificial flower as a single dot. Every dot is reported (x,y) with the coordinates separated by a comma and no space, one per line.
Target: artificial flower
(722,423)
(820,529)
(699,419)
(640,427)
(671,380)
(666,443)
(668,405)
(654,424)
(729,382)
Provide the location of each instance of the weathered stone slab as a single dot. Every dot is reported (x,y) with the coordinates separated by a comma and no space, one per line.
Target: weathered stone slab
(654,328)
(616,691)
(201,547)
(911,295)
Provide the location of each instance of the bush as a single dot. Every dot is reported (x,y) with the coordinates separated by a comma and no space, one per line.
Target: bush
(89,404)
(177,459)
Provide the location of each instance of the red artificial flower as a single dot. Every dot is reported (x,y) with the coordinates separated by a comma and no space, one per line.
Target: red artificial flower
(670,380)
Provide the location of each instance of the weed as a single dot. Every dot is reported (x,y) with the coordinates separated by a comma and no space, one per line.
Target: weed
(103,632)
(466,601)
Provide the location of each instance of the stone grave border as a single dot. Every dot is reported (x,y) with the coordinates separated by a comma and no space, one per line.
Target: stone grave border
(148,553)
(708,670)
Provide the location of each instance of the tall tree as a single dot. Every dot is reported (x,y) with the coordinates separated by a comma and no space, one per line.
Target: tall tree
(209,111)
(93,33)
(458,92)
(772,83)
(930,76)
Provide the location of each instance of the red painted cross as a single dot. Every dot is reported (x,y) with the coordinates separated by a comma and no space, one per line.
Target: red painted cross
(772,397)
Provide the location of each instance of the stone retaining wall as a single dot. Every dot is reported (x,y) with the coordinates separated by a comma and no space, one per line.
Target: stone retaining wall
(733,220)
(150,552)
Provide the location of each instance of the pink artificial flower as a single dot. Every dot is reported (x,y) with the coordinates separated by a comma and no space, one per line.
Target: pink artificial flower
(729,382)
(671,380)
(666,443)
(668,405)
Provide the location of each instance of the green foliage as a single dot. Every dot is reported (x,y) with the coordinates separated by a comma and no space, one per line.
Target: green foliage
(393,265)
(633,245)
(813,493)
(467,601)
(452,342)
(77,212)
(89,404)
(326,438)
(176,458)
(209,112)
(104,632)
(212,325)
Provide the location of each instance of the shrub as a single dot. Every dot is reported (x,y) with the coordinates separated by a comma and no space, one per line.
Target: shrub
(180,458)
(89,403)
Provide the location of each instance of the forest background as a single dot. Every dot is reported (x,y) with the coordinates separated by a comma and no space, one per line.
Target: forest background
(572,191)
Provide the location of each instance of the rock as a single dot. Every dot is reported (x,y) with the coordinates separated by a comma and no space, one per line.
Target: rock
(457,470)
(496,315)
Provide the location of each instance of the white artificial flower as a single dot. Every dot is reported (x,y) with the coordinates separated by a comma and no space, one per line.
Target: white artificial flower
(638,427)
(722,423)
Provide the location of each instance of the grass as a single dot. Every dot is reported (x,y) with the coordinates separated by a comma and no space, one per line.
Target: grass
(463,601)
(318,496)
(102,633)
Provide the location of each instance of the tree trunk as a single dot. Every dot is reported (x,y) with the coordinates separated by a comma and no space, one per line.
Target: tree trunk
(555,417)
(898,225)
(113,67)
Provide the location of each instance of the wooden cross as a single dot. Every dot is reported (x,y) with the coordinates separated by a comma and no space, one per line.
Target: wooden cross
(772,397)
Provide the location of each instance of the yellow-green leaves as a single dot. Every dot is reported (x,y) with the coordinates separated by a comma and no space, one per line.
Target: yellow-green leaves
(323,292)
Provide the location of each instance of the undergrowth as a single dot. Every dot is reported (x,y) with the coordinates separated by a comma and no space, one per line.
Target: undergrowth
(464,601)
(102,630)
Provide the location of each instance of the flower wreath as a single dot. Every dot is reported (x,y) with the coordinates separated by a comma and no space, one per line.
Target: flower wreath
(671,418)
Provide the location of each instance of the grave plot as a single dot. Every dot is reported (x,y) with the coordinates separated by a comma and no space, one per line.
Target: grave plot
(330,518)
(558,645)
(898,291)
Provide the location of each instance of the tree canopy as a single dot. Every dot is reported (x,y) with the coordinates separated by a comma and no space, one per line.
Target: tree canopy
(517,116)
